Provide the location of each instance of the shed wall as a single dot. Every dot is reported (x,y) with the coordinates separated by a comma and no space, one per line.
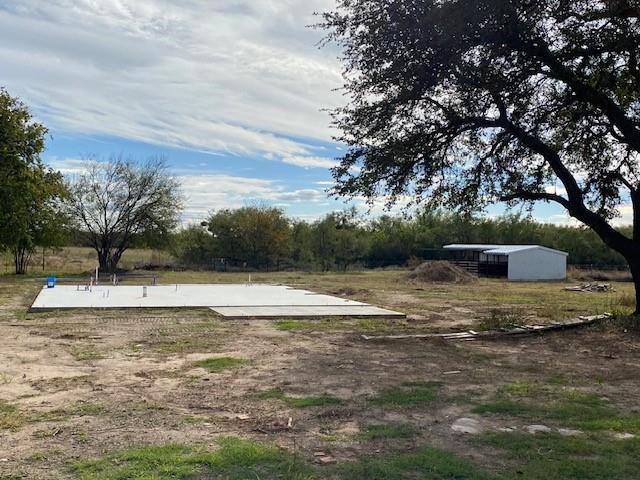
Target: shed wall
(537,264)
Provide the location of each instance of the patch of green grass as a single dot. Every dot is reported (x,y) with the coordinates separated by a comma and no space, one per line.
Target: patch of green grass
(553,457)
(85,409)
(299,402)
(384,431)
(565,406)
(500,319)
(521,389)
(78,409)
(321,324)
(171,343)
(324,324)
(313,401)
(372,325)
(83,354)
(505,407)
(571,407)
(425,464)
(38,457)
(236,459)
(630,424)
(10,417)
(57,384)
(218,364)
(407,394)
(559,379)
(290,325)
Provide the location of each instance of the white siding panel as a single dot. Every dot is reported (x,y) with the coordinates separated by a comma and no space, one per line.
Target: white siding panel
(537,264)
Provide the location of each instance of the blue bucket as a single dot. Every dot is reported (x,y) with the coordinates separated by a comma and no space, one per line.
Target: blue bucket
(51,282)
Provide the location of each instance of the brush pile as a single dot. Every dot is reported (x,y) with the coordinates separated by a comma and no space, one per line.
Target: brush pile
(439,272)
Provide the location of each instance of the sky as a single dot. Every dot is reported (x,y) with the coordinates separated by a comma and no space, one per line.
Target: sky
(233,93)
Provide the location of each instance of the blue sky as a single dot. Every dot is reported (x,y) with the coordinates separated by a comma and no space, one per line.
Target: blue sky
(230,92)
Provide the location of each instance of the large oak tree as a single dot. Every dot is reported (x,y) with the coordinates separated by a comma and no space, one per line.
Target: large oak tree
(467,102)
(115,201)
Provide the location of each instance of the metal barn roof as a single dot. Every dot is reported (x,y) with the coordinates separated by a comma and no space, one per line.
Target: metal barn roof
(499,249)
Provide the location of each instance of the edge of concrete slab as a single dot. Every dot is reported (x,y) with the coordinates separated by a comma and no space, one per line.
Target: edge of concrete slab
(284,311)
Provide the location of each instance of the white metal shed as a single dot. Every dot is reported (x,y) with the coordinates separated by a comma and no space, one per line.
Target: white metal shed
(521,262)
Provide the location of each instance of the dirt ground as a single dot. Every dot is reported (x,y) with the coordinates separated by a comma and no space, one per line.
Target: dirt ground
(86,383)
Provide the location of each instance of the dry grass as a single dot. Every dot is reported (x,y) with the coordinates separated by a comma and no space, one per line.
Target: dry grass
(73,260)
(594,275)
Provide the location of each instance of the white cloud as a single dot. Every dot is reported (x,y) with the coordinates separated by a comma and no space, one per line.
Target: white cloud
(205,193)
(624,218)
(626,215)
(240,77)
(381,205)
(68,166)
(556,189)
(305,195)
(310,162)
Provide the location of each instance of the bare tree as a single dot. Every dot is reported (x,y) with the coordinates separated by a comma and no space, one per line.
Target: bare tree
(117,200)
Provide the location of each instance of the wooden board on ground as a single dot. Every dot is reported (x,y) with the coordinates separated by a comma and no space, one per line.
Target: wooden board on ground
(581,321)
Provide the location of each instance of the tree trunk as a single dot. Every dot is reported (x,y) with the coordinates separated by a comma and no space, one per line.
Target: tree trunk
(108,261)
(634,266)
(21,260)
(103,260)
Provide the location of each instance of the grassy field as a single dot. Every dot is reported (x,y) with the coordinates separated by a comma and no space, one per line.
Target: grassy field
(184,394)
(75,260)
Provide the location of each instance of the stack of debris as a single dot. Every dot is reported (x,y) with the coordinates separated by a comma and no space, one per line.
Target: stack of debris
(439,271)
(581,321)
(591,287)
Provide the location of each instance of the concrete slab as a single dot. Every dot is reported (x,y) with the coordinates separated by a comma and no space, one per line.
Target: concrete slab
(257,297)
(306,311)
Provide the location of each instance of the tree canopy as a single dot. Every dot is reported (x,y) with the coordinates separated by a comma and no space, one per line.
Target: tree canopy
(118,200)
(257,236)
(30,192)
(463,103)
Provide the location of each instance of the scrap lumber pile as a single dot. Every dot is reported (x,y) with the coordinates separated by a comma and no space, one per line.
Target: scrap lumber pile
(581,321)
(591,287)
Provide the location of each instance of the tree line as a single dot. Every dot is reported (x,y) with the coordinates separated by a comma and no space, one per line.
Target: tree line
(262,237)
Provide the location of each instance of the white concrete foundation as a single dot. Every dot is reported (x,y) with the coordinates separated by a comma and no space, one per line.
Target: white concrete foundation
(218,296)
(306,311)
